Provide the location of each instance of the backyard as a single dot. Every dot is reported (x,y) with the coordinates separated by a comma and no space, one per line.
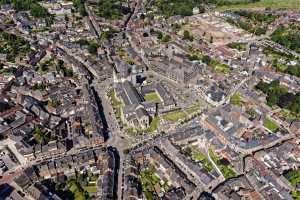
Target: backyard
(151,183)
(224,168)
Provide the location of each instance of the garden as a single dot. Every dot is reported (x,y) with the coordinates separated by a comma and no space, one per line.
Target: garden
(223,165)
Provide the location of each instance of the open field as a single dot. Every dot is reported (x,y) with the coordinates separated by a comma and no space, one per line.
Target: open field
(207,27)
(275,4)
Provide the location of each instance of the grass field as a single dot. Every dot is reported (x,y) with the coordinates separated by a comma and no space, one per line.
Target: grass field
(270,124)
(153,97)
(76,191)
(198,156)
(174,116)
(154,124)
(275,4)
(225,169)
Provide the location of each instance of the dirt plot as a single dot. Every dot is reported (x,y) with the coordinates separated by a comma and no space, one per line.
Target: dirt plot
(207,26)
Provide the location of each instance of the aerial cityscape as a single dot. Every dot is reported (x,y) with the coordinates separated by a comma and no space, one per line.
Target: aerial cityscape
(149,99)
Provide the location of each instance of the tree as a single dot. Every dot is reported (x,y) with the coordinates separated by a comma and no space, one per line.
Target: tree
(92,48)
(159,35)
(293,70)
(235,99)
(109,9)
(278,95)
(274,83)
(187,35)
(264,87)
(285,99)
(166,38)
(187,151)
(206,59)
(40,136)
(66,18)
(79,5)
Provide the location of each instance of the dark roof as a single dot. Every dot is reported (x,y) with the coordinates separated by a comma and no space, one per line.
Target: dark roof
(141,112)
(132,93)
(22,181)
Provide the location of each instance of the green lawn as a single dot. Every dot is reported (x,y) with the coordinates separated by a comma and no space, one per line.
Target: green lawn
(275,4)
(92,189)
(225,169)
(198,156)
(153,97)
(235,99)
(154,124)
(221,68)
(92,177)
(150,182)
(76,191)
(174,116)
(293,176)
(270,125)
